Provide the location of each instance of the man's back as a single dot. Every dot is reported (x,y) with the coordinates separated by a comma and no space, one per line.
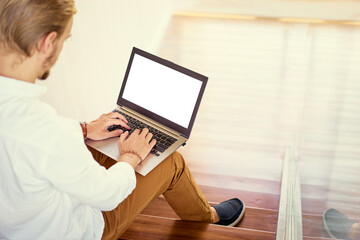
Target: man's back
(46,171)
(27,135)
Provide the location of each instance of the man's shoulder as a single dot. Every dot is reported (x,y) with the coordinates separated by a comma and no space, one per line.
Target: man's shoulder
(34,122)
(16,114)
(22,106)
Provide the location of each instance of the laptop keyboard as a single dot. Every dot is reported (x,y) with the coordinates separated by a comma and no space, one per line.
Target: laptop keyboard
(163,140)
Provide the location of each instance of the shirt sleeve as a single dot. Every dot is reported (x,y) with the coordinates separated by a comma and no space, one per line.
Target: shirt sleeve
(70,167)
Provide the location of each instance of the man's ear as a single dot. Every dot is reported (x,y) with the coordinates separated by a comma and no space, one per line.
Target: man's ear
(47,43)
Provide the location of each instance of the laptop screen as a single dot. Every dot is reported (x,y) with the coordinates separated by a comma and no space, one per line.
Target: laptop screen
(162,90)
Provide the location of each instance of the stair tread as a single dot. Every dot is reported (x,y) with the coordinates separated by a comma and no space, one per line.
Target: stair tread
(250,198)
(150,227)
(318,206)
(261,207)
(312,226)
(236,182)
(254,218)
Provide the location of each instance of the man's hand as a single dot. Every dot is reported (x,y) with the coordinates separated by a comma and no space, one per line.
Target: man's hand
(97,129)
(139,141)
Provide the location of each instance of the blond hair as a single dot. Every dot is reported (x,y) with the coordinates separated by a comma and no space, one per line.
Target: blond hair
(24,22)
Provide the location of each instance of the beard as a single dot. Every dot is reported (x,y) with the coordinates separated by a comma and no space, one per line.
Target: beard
(45,75)
(47,64)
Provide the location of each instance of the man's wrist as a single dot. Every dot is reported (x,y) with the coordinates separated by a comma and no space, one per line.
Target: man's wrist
(131,159)
(134,153)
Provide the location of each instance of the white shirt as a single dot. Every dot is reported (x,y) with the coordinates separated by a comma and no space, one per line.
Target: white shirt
(50,185)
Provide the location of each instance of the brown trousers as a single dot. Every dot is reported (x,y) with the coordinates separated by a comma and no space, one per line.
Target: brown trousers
(171,178)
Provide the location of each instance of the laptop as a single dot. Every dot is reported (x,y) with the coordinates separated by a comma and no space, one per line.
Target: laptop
(161,96)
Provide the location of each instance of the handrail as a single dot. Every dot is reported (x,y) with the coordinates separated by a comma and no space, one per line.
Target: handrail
(290,216)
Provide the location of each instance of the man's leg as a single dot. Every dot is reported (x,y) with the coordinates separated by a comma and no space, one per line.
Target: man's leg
(171,178)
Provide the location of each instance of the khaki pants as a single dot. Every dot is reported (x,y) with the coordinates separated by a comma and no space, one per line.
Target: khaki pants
(171,178)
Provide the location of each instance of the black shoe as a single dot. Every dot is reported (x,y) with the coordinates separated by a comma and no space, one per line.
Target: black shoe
(336,224)
(230,212)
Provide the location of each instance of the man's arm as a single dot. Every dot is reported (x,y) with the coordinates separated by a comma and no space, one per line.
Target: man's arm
(69,166)
(65,162)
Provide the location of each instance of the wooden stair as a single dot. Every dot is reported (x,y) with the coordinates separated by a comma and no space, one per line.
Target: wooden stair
(150,227)
(264,112)
(159,221)
(254,218)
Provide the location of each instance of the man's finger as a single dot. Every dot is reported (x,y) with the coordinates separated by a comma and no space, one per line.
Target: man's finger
(123,137)
(149,136)
(137,131)
(115,133)
(117,115)
(117,122)
(152,143)
(144,132)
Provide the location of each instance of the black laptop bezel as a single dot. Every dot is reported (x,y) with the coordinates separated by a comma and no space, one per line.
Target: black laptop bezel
(123,102)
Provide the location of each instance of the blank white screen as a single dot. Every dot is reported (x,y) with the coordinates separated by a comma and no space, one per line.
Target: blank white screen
(162,90)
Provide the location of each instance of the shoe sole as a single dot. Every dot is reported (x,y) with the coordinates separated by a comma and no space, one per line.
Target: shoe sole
(240,216)
(326,227)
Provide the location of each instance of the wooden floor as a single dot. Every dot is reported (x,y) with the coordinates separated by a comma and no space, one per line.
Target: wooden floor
(252,109)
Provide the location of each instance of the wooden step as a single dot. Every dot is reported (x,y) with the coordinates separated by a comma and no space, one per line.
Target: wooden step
(147,227)
(250,198)
(318,206)
(316,191)
(261,208)
(312,202)
(312,226)
(254,218)
(236,182)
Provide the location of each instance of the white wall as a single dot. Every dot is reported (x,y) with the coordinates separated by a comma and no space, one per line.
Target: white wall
(86,80)
(318,9)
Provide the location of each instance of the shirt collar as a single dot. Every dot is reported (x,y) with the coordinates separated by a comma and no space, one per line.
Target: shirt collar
(10,86)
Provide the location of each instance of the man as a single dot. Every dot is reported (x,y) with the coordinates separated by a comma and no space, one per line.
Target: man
(51,185)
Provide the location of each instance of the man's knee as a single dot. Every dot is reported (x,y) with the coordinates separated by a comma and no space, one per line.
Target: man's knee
(177,168)
(177,160)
